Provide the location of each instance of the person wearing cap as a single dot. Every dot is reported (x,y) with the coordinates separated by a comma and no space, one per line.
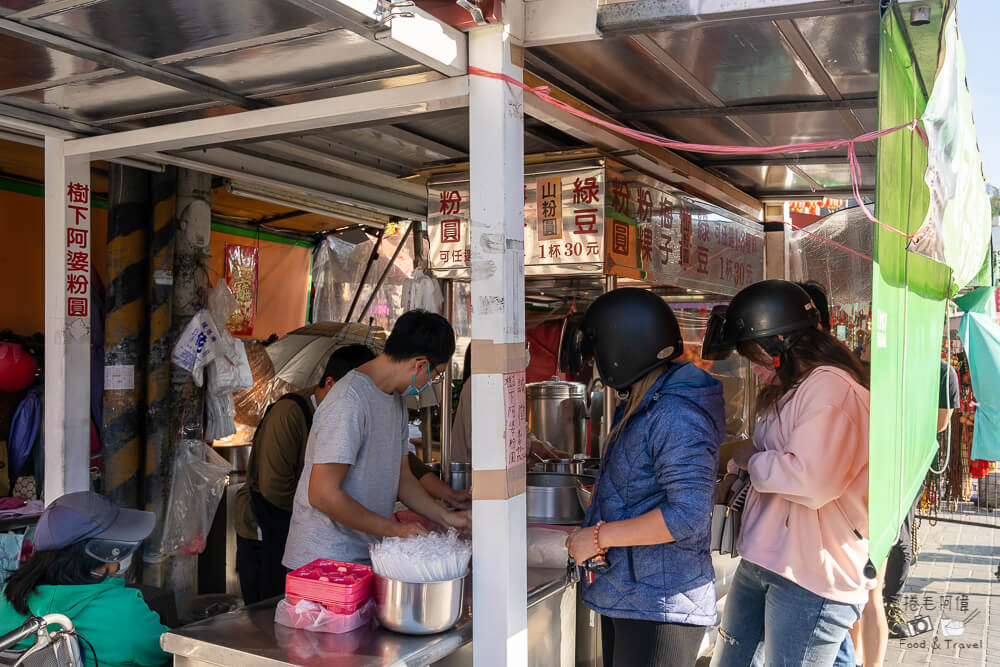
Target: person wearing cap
(650,514)
(804,575)
(84,545)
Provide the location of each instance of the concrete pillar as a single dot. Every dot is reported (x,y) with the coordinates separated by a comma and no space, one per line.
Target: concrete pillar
(125,334)
(68,250)
(496,138)
(190,282)
(160,343)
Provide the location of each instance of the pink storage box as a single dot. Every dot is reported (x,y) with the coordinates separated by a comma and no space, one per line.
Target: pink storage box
(341,587)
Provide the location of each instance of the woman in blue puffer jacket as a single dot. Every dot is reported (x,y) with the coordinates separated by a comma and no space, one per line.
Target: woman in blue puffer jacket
(650,515)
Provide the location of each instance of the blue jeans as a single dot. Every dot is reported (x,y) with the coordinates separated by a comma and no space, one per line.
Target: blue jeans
(771,622)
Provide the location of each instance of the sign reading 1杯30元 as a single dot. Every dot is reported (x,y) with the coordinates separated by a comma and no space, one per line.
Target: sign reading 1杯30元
(600,219)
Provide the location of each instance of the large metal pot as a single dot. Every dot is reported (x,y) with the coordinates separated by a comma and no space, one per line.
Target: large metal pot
(565,466)
(461,476)
(557,414)
(418,608)
(551,498)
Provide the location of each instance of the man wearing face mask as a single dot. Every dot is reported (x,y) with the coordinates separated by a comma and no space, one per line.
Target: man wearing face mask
(356,456)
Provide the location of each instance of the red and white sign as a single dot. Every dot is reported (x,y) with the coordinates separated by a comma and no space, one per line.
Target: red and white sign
(515,419)
(78,246)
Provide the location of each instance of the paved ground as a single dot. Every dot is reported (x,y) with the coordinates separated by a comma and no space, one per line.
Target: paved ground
(954,583)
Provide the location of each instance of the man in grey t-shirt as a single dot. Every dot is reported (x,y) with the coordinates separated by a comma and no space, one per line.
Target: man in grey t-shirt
(356,457)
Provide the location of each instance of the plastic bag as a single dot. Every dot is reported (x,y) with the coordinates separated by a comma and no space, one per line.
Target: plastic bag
(547,548)
(197,346)
(315,617)
(423,292)
(222,303)
(197,485)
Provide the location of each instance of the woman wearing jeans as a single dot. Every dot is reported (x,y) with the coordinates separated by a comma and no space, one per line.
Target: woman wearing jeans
(650,512)
(801,584)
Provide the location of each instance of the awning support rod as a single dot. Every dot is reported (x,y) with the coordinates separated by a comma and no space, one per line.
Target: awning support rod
(388,267)
(368,267)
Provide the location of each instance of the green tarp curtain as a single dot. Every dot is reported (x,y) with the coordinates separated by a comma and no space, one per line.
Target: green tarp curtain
(908,307)
(980,335)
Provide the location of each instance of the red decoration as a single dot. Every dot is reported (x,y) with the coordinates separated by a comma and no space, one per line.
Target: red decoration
(17,367)
(241,276)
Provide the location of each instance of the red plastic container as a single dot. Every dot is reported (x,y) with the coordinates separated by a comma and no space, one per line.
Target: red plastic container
(338,586)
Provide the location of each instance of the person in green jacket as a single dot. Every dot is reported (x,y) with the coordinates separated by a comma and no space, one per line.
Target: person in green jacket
(83,547)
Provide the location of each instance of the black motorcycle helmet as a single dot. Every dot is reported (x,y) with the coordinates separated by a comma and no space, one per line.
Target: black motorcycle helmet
(760,313)
(629,332)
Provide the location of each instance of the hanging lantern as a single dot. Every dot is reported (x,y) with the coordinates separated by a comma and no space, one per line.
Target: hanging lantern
(17,367)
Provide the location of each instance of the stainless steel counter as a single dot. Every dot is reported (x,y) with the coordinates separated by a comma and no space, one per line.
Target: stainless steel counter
(249,637)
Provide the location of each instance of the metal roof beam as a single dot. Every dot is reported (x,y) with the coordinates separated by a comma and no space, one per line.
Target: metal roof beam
(659,55)
(409,31)
(749,109)
(164,74)
(811,195)
(665,164)
(648,16)
(790,160)
(800,47)
(288,119)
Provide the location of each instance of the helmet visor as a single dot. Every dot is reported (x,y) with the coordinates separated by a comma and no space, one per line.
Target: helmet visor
(714,347)
(110,551)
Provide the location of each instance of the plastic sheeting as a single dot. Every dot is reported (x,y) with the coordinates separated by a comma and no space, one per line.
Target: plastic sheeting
(338,269)
(733,373)
(846,277)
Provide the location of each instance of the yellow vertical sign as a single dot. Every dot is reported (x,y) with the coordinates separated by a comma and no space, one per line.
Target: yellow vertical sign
(548,193)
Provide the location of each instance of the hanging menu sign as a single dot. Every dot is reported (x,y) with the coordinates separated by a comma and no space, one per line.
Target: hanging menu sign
(588,218)
(659,235)
(563,221)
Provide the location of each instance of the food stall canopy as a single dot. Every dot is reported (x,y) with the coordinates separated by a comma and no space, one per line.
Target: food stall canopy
(754,74)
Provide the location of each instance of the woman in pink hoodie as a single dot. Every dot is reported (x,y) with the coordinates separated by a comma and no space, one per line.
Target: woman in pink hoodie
(802,582)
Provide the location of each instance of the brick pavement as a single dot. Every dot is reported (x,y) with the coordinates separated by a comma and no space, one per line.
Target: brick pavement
(954,578)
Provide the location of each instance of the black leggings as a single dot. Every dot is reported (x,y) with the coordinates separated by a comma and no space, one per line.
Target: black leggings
(629,643)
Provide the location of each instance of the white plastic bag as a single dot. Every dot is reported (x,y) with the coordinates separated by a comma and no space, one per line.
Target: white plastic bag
(547,548)
(199,480)
(197,346)
(423,292)
(306,615)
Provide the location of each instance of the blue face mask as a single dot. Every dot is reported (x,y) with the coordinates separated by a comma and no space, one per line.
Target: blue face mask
(412,389)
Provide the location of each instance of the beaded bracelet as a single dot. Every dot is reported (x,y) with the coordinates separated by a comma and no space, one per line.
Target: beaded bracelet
(597,538)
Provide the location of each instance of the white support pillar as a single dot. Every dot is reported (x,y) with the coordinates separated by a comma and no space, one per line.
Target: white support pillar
(68,248)
(775,242)
(496,137)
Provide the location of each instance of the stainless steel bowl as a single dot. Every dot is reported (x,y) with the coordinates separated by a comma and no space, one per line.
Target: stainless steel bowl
(551,498)
(419,608)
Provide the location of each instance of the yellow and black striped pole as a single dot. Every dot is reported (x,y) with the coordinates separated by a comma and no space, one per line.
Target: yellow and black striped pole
(161,287)
(125,334)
